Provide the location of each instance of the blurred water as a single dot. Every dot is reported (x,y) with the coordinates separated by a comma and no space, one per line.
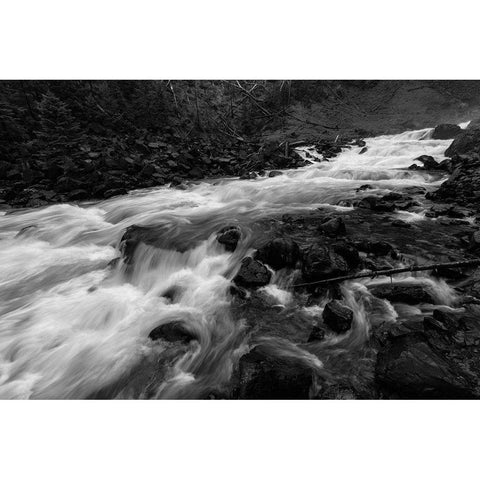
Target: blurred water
(70,324)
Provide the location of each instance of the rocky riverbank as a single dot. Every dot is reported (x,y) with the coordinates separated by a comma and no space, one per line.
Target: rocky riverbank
(102,169)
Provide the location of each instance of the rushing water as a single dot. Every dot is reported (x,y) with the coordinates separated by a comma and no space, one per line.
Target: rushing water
(71,325)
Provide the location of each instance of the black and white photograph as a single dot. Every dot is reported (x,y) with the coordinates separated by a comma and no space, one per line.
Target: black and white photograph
(243,239)
(239,240)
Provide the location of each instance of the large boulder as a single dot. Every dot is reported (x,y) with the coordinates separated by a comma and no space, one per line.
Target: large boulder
(264,376)
(279,253)
(321,262)
(407,367)
(158,236)
(398,293)
(252,274)
(229,237)
(466,142)
(445,131)
(337,316)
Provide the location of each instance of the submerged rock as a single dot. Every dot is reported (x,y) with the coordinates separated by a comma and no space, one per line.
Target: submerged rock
(397,293)
(172,332)
(445,131)
(252,274)
(229,237)
(279,253)
(337,316)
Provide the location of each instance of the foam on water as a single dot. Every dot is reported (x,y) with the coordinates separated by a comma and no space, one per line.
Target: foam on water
(71,325)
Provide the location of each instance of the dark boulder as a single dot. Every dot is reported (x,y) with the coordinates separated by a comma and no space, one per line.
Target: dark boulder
(475,241)
(229,237)
(279,253)
(445,131)
(317,334)
(274,173)
(362,188)
(397,293)
(158,236)
(172,332)
(363,150)
(333,227)
(407,367)
(252,274)
(264,376)
(401,224)
(377,204)
(321,262)
(428,162)
(337,316)
(466,142)
(348,252)
(375,247)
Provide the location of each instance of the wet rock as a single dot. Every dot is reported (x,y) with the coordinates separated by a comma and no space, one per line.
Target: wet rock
(265,376)
(442,320)
(475,241)
(320,262)
(428,161)
(279,253)
(337,316)
(157,236)
(446,131)
(333,227)
(229,237)
(362,188)
(172,332)
(375,247)
(274,173)
(252,274)
(467,141)
(363,150)
(196,173)
(458,212)
(377,204)
(414,190)
(397,293)
(348,252)
(401,224)
(408,367)
(317,334)
(248,176)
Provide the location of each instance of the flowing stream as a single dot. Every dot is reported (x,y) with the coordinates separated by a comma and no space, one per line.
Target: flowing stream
(72,324)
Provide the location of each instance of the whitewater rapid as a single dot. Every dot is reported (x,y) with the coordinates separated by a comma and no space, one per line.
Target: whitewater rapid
(72,323)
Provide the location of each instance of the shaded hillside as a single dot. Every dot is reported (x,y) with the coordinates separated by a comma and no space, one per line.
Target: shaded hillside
(75,140)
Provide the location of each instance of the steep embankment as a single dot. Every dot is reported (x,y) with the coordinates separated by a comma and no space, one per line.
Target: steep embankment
(463,185)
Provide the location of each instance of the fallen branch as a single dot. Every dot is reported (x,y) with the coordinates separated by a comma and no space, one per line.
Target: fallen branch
(392,271)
